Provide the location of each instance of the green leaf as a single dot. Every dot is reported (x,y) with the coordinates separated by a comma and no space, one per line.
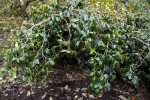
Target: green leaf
(105,68)
(92,51)
(16,45)
(22,58)
(65,43)
(96,85)
(107,38)
(51,62)
(36,61)
(74,20)
(90,86)
(74,25)
(66,51)
(100,63)
(130,76)
(90,61)
(85,17)
(118,57)
(97,91)
(97,58)
(14,74)
(24,78)
(106,76)
(113,77)
(98,74)
(136,81)
(66,13)
(47,51)
(93,80)
(57,19)
(107,85)
(16,59)
(78,43)
(92,73)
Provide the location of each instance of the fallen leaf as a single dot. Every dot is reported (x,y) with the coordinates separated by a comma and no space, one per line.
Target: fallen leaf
(5,94)
(69,98)
(50,98)
(21,92)
(77,90)
(32,92)
(84,89)
(81,98)
(91,96)
(69,90)
(120,91)
(83,77)
(100,95)
(28,93)
(84,94)
(56,95)
(66,87)
(76,97)
(44,95)
(3,91)
(122,97)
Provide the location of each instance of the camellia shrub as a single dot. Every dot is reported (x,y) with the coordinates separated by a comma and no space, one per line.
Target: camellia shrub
(109,44)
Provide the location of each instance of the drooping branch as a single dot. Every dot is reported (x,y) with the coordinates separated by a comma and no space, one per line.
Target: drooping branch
(43,21)
(147,44)
(139,41)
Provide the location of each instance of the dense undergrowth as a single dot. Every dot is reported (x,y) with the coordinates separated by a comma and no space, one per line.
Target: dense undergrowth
(112,43)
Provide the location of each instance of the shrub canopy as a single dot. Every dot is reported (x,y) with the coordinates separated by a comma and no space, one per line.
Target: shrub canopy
(111,44)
